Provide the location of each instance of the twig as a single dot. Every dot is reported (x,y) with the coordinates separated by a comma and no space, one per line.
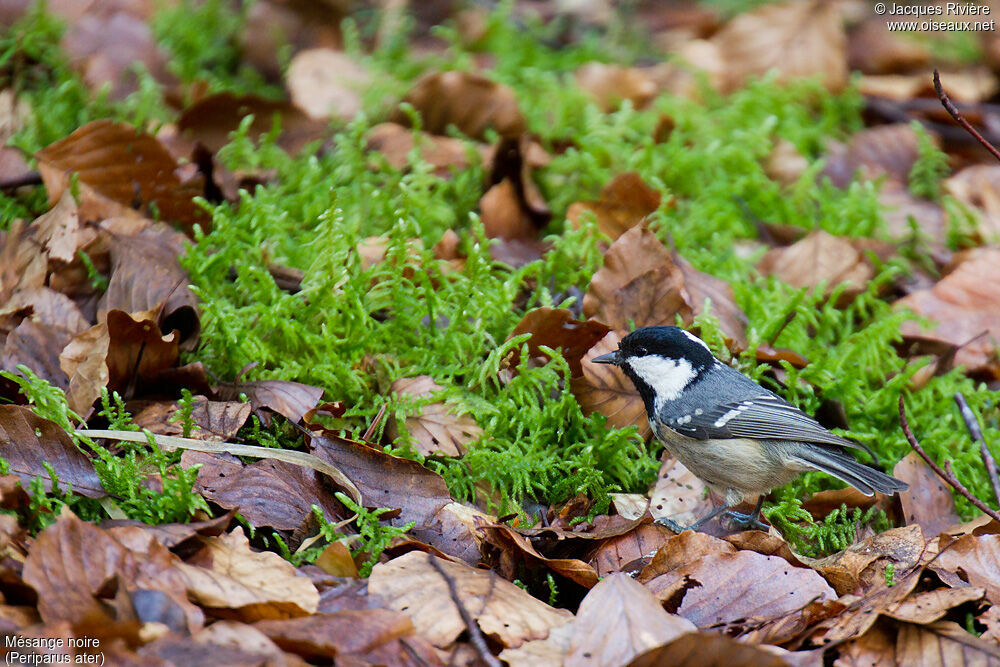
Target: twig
(948,476)
(972,423)
(950,108)
(370,431)
(475,634)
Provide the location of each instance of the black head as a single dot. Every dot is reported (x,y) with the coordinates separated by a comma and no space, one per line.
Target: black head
(661,362)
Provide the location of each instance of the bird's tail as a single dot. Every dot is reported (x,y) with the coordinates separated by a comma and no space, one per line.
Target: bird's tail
(845,468)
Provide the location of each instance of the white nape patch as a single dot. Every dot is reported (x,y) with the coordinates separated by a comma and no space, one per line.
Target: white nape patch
(732,414)
(667,377)
(695,339)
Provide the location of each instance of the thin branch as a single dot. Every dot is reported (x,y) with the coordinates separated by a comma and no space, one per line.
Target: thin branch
(475,634)
(951,109)
(972,423)
(948,476)
(370,431)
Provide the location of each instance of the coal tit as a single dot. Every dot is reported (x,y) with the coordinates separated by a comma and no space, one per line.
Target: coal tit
(739,438)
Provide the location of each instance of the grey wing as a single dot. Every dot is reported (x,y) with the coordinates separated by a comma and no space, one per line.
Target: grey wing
(764,417)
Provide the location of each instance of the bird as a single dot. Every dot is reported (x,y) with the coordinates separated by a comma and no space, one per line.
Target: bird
(736,436)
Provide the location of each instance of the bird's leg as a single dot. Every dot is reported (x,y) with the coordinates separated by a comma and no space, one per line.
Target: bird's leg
(751,520)
(677,528)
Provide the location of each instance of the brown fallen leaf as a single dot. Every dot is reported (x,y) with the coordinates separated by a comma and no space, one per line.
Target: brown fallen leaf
(470,102)
(121,172)
(963,305)
(210,120)
(36,345)
(785,164)
(618,620)
(27,441)
(336,560)
(212,420)
(873,49)
(902,210)
(875,647)
(928,503)
(681,550)
(639,282)
(885,150)
(630,552)
(861,613)
(822,503)
(972,560)
(291,400)
(558,329)
(819,258)
(326,84)
(798,39)
(272,27)
(624,202)
(711,650)
(503,215)
(541,652)
(175,536)
(978,187)
(435,429)
(266,493)
(515,551)
(610,85)
(991,619)
(943,644)
(513,206)
(502,610)
(862,565)
(677,494)
(929,606)
(59,230)
(371,636)
(706,293)
(395,142)
(603,389)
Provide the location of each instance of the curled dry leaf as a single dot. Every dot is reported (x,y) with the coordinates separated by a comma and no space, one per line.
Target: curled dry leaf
(702,287)
(27,441)
(443,153)
(797,39)
(678,494)
(819,258)
(610,85)
(928,503)
(714,650)
(515,551)
(929,606)
(435,429)
(59,230)
(624,202)
(558,329)
(227,574)
(618,620)
(972,560)
(978,187)
(291,400)
(873,49)
(607,390)
(639,282)
(410,584)
(121,172)
(326,84)
(369,636)
(541,652)
(46,322)
(862,565)
(964,304)
(212,420)
(175,536)
(470,102)
(886,150)
(943,644)
(630,552)
(266,493)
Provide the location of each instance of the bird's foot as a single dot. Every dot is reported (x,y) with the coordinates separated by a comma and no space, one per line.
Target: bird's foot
(670,524)
(747,521)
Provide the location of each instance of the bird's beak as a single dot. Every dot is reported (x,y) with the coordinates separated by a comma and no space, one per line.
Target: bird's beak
(609,358)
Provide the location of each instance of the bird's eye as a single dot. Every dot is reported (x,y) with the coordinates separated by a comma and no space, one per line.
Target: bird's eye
(641,350)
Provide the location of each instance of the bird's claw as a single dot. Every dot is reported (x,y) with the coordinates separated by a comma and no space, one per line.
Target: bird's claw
(670,524)
(746,521)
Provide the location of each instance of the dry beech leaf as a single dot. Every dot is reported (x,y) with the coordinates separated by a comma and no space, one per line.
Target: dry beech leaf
(326,84)
(713,650)
(48,307)
(335,560)
(59,230)
(369,636)
(678,494)
(435,429)
(631,551)
(681,550)
(267,492)
(121,172)
(862,565)
(558,329)
(213,420)
(978,187)
(639,282)
(291,400)
(873,49)
(943,644)
(227,574)
(470,102)
(964,304)
(929,606)
(27,441)
(502,214)
(901,210)
(605,389)
(991,619)
(223,635)
(618,620)
(610,85)
(541,652)
(502,610)
(516,551)
(36,345)
(973,560)
(174,536)
(702,287)
(798,39)
(395,142)
(928,502)
(146,276)
(785,164)
(875,647)
(886,150)
(624,202)
(819,258)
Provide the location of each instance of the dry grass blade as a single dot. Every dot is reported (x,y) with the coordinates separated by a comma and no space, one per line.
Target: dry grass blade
(287,455)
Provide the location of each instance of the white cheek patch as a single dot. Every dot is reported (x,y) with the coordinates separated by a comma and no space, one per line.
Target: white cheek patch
(667,377)
(695,339)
